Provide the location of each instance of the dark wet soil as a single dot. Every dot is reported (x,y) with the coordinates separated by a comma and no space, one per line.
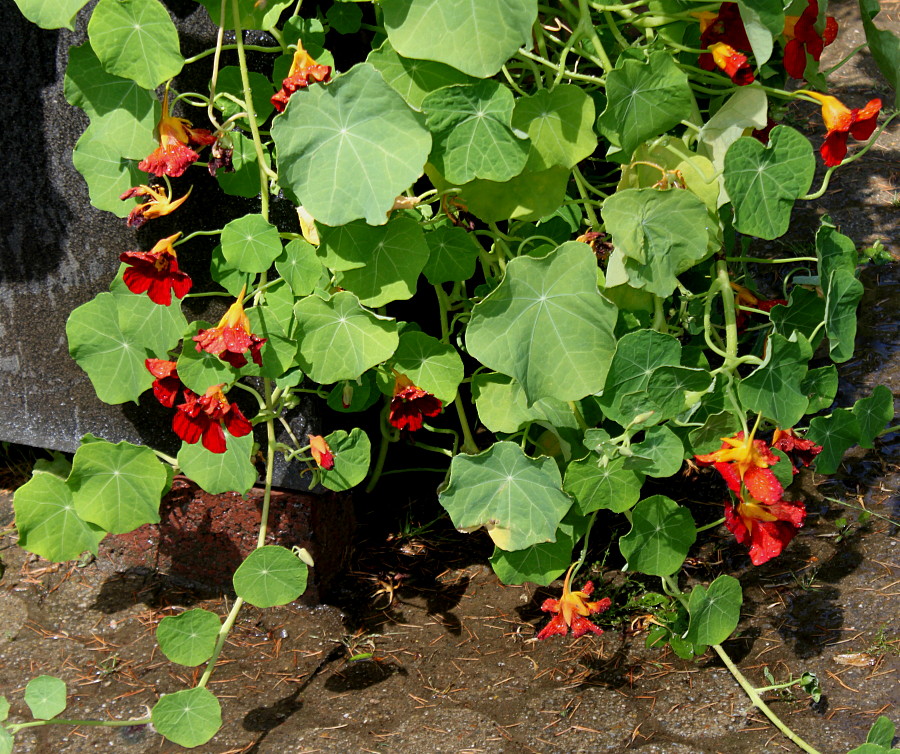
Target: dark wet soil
(451,663)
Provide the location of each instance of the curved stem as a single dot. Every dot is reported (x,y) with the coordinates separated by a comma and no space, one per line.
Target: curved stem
(227,625)
(16,727)
(382,451)
(469,445)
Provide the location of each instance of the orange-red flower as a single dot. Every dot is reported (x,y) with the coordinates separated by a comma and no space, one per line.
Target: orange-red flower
(746,297)
(231,338)
(157,204)
(727,27)
(842,121)
(167,384)
(321,453)
(156,272)
(746,462)
(207,416)
(802,38)
(731,61)
(572,609)
(303,70)
(174,154)
(798,449)
(410,404)
(766,528)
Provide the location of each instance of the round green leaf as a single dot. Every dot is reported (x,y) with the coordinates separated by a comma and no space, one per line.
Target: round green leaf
(644,99)
(226,275)
(560,124)
(472,129)
(299,266)
(118,486)
(544,562)
(200,370)
(433,366)
(519,500)
(231,471)
(746,108)
(121,33)
(4,709)
(53,15)
(874,414)
(820,386)
(346,150)
(362,393)
(667,387)
(715,612)
(774,388)
(764,181)
(47,522)
(805,312)
(270,575)
(230,83)
(114,361)
(547,325)
(413,79)
(190,638)
(339,340)
(146,323)
(502,406)
(188,718)
(835,433)
(107,172)
(45,696)
(392,265)
(344,18)
(452,255)
(250,243)
(656,236)
(661,534)
(97,92)
(608,486)
(475,37)
(352,455)
(659,454)
(252,15)
(279,352)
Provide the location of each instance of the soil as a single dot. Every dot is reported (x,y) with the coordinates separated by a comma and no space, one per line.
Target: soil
(421,649)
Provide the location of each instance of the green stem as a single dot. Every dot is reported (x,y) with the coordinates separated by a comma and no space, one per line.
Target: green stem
(211,51)
(16,727)
(227,625)
(580,183)
(763,260)
(435,449)
(469,445)
(163,457)
(197,233)
(659,315)
(713,525)
(382,451)
(890,520)
(584,547)
(600,80)
(742,679)
(253,392)
(578,415)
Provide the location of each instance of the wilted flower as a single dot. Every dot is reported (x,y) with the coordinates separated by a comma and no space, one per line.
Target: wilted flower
(167,384)
(174,155)
(572,609)
(156,272)
(220,154)
(841,121)
(207,416)
(321,453)
(231,338)
(798,449)
(157,204)
(410,404)
(303,70)
(803,38)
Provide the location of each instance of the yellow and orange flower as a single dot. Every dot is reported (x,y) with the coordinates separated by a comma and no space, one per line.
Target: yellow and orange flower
(303,70)
(157,204)
(731,61)
(231,338)
(572,609)
(765,528)
(321,452)
(745,462)
(841,122)
(174,154)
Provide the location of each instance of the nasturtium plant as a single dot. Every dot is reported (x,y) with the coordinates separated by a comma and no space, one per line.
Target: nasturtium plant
(522,238)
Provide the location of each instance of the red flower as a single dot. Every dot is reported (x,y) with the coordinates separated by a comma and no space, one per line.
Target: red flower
(156,272)
(303,69)
(166,385)
(207,416)
(745,463)
(732,62)
(174,154)
(798,449)
(725,26)
(231,338)
(410,404)
(157,206)
(321,453)
(572,609)
(841,121)
(766,528)
(746,297)
(803,38)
